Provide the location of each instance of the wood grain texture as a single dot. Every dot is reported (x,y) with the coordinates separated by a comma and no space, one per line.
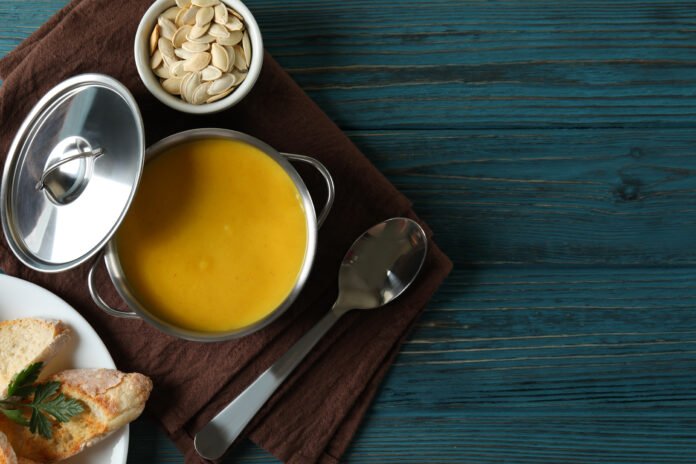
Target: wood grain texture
(550,145)
(599,197)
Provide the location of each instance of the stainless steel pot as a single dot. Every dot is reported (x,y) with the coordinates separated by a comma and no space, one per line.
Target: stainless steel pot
(71,175)
(120,280)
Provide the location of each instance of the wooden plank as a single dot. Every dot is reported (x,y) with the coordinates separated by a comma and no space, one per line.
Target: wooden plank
(526,439)
(546,365)
(473,64)
(452,64)
(572,197)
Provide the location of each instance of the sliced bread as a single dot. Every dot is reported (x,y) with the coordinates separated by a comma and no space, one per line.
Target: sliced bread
(7,454)
(26,341)
(111,399)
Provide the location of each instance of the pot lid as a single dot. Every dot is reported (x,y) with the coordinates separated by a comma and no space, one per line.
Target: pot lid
(71,172)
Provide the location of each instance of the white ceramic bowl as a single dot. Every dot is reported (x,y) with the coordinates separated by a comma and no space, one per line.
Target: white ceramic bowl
(151,81)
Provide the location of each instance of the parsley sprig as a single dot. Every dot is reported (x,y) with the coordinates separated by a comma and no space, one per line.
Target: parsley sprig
(41,399)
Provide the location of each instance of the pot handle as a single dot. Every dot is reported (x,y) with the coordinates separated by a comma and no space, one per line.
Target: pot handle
(331,191)
(98,300)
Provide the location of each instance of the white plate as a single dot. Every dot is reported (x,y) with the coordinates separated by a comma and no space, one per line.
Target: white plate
(18,299)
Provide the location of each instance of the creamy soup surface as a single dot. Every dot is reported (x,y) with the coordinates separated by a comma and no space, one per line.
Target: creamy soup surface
(216,236)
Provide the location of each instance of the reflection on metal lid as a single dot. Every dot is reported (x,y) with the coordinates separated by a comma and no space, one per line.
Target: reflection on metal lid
(72,172)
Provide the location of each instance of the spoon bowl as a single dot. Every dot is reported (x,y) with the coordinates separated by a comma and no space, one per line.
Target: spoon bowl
(380,265)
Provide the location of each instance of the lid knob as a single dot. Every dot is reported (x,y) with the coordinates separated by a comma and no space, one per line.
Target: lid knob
(68,169)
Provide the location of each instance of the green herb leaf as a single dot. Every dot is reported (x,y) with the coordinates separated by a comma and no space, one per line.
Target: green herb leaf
(40,424)
(44,390)
(15,415)
(62,408)
(46,403)
(22,384)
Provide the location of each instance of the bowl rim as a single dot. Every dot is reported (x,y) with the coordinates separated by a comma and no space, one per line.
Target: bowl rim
(120,281)
(142,60)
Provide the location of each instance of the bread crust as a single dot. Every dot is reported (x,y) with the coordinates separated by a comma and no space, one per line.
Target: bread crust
(26,341)
(7,454)
(111,400)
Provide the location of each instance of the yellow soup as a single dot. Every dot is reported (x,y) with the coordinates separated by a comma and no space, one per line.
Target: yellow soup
(216,236)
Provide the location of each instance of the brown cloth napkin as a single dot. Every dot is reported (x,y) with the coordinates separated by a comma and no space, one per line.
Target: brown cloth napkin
(318,410)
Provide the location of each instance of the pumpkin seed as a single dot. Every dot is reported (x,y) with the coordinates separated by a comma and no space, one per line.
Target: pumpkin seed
(165,47)
(246,46)
(210,73)
(234,24)
(183,54)
(167,28)
(190,86)
(223,84)
(179,19)
(169,61)
(156,59)
(183,84)
(221,14)
(204,16)
(231,56)
(189,16)
(180,35)
(218,31)
(219,57)
(206,39)
(172,85)
(197,31)
(200,95)
(204,3)
(233,39)
(154,37)
(240,76)
(177,69)
(183,3)
(163,72)
(239,61)
(170,13)
(234,13)
(195,47)
(219,96)
(197,62)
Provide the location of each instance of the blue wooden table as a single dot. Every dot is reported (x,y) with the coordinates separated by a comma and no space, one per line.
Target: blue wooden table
(551,146)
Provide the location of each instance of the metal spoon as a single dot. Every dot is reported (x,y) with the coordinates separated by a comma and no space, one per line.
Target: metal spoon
(379,266)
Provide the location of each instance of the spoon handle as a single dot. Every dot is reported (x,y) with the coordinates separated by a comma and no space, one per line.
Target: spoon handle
(216,436)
